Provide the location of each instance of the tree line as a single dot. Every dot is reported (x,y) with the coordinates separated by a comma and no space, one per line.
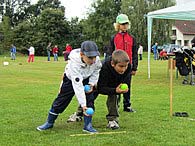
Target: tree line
(24,24)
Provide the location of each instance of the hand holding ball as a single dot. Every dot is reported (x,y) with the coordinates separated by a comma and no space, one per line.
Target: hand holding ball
(89,111)
(87,88)
(124,87)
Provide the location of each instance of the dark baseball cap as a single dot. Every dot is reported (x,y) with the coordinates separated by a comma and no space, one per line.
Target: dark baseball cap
(90,49)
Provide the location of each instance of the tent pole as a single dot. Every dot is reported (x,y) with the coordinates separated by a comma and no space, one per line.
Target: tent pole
(149,23)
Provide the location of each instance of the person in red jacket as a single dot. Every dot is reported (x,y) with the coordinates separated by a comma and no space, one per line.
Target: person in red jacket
(122,40)
(67,51)
(55,52)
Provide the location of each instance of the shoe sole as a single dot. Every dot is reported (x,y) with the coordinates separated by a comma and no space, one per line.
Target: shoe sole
(39,129)
(43,129)
(89,131)
(129,111)
(113,128)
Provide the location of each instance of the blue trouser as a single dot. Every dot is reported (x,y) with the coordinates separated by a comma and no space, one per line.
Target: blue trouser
(55,56)
(13,56)
(48,55)
(65,96)
(155,56)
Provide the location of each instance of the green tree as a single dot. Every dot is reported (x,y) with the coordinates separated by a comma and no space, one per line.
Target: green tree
(75,36)
(137,10)
(50,26)
(23,35)
(99,24)
(7,34)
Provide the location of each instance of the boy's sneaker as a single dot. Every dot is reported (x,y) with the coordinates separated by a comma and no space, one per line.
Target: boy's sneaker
(192,83)
(185,82)
(45,126)
(129,109)
(89,129)
(74,118)
(113,125)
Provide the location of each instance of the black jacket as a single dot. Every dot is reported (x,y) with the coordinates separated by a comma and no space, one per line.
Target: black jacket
(109,79)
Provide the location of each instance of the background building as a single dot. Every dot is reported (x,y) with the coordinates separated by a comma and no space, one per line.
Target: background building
(183,32)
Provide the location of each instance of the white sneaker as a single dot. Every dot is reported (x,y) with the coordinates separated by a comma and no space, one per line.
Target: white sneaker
(74,118)
(113,125)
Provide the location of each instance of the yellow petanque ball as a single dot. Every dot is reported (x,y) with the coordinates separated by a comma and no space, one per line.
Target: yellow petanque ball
(124,87)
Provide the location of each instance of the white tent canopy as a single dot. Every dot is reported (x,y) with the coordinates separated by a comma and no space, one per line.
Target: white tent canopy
(184,10)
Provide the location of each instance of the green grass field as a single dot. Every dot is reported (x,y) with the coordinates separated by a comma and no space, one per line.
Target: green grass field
(28,89)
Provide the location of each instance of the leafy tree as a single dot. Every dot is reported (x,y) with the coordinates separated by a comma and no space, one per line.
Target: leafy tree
(48,27)
(23,35)
(99,24)
(14,9)
(51,27)
(7,34)
(137,10)
(75,36)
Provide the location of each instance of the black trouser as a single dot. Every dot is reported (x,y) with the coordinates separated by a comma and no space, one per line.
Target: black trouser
(65,96)
(140,56)
(126,96)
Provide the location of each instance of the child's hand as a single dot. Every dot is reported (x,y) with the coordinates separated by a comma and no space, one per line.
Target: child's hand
(119,90)
(90,90)
(84,111)
(133,73)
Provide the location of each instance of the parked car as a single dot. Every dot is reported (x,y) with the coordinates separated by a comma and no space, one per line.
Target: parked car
(169,48)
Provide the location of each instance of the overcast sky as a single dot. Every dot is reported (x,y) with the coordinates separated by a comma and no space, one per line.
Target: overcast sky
(74,7)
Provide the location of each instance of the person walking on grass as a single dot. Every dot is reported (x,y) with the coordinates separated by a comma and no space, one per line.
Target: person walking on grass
(82,69)
(155,51)
(31,54)
(48,51)
(13,52)
(55,52)
(67,51)
(140,51)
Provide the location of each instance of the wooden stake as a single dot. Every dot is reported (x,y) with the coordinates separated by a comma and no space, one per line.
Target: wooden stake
(171,86)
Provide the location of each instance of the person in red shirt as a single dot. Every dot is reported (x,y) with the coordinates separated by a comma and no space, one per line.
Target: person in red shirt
(55,52)
(67,51)
(163,55)
(122,40)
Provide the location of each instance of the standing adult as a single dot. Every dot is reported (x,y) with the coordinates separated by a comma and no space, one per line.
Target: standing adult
(67,51)
(55,52)
(124,41)
(31,54)
(48,51)
(155,51)
(13,52)
(140,51)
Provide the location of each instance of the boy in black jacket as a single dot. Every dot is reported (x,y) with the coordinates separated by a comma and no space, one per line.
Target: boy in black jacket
(112,74)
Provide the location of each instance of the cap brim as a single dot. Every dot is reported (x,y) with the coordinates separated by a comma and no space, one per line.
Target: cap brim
(121,22)
(92,53)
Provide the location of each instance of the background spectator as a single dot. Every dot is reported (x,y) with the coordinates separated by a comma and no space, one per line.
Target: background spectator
(13,52)
(67,51)
(140,51)
(55,52)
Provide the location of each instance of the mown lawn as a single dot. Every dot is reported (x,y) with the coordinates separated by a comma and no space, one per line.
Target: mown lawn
(28,89)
